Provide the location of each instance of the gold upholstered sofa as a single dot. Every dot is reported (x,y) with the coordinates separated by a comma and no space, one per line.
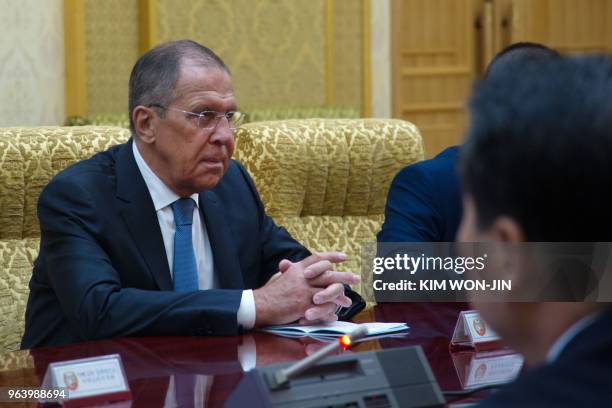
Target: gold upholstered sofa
(326,180)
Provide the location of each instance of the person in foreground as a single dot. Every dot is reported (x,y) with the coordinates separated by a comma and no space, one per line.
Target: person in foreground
(166,235)
(536,167)
(424,200)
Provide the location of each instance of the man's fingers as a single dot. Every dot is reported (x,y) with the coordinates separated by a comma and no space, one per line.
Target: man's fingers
(343,301)
(317,269)
(321,312)
(329,294)
(305,322)
(332,317)
(284,265)
(333,257)
(328,277)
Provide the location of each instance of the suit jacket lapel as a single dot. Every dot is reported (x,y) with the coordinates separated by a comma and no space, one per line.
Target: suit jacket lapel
(137,210)
(227,268)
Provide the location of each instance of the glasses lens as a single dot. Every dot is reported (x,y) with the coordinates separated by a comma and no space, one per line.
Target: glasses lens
(208,119)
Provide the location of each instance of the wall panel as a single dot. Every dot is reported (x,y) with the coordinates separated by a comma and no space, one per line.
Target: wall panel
(282,53)
(348,52)
(275,48)
(31,63)
(111,49)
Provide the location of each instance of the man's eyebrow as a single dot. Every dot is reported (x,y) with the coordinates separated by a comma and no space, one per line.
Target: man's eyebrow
(213,106)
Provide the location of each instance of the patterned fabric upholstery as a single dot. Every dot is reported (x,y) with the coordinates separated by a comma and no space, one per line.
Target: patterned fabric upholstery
(29,157)
(326,180)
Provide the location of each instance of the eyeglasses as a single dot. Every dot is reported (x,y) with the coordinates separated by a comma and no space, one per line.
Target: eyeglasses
(209,119)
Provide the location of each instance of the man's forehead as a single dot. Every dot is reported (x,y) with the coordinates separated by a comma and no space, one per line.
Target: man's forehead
(208,81)
(208,94)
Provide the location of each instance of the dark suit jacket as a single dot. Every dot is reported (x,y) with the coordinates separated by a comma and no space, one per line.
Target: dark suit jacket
(424,202)
(580,377)
(102,269)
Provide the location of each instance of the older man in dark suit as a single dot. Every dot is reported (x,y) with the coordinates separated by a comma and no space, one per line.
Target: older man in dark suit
(166,235)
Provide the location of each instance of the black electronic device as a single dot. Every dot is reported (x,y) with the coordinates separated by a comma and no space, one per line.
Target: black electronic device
(357,305)
(390,378)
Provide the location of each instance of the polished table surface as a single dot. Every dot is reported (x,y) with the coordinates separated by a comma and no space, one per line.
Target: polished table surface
(150,362)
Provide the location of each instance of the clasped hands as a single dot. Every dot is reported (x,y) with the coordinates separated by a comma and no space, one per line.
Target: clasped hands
(309,291)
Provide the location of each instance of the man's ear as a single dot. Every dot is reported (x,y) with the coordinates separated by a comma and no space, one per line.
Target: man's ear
(144,125)
(506,229)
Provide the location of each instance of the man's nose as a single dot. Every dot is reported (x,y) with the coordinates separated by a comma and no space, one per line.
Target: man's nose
(222,133)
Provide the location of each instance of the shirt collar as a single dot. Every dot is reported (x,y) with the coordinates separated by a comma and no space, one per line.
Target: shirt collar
(561,343)
(161,194)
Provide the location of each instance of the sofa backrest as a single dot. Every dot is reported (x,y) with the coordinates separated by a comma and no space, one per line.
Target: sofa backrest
(325,180)
(29,157)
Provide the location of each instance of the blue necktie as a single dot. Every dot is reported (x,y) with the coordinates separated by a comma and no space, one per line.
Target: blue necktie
(185,270)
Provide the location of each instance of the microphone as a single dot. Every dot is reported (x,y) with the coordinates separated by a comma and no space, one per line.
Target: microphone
(282,377)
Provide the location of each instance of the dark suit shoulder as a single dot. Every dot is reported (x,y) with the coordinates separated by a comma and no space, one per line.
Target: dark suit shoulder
(434,181)
(580,377)
(424,201)
(441,166)
(236,180)
(584,382)
(235,171)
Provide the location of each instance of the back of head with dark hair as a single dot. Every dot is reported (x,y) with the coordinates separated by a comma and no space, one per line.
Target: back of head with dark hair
(524,51)
(156,73)
(539,148)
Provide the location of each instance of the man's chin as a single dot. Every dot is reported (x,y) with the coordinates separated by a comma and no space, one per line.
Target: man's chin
(208,183)
(195,187)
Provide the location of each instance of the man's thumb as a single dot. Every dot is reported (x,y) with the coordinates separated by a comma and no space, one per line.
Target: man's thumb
(284,265)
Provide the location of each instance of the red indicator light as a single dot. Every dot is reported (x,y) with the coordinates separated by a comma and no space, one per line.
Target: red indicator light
(345,341)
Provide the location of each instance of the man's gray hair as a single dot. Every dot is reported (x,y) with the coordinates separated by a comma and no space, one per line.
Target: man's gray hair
(156,73)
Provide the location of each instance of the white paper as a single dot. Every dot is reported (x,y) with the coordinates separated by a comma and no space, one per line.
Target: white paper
(335,329)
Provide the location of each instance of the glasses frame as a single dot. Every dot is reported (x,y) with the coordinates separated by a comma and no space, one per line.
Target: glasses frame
(218,115)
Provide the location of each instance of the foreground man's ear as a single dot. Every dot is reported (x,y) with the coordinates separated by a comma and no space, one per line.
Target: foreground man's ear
(506,229)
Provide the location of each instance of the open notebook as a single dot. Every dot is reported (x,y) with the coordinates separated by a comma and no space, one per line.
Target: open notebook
(333,330)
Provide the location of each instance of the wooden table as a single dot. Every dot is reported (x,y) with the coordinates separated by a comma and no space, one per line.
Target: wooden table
(150,362)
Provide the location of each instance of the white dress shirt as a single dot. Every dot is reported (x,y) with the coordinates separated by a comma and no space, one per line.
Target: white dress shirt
(163,197)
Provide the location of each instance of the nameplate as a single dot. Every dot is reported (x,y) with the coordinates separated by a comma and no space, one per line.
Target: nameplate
(471,331)
(477,369)
(95,380)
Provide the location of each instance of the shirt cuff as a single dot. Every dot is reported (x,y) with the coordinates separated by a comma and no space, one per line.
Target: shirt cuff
(246,311)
